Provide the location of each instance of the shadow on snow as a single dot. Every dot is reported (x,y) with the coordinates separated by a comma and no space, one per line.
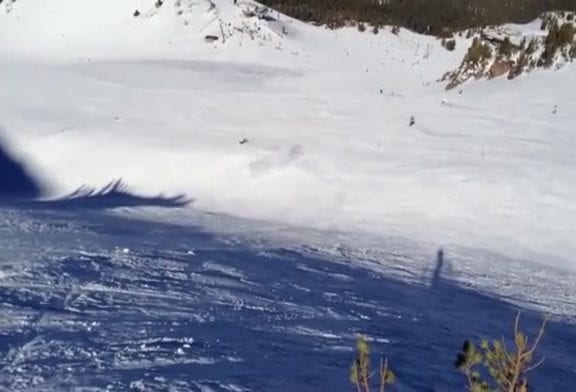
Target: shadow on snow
(289,318)
(184,308)
(16,182)
(115,194)
(18,188)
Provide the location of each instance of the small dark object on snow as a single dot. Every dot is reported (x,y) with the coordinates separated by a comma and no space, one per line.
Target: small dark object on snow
(243,141)
(412,121)
(235,2)
(136,13)
(210,38)
(159,3)
(460,92)
(267,18)
(555,110)
(381,91)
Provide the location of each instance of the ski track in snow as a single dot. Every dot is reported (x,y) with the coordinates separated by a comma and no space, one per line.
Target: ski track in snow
(97,301)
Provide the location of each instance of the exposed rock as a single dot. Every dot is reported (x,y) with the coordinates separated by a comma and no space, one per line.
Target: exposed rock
(210,38)
(500,68)
(504,50)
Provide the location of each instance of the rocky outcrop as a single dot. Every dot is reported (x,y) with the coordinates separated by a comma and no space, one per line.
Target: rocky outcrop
(511,51)
(499,68)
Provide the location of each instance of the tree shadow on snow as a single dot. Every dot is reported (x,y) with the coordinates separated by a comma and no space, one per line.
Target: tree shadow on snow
(419,327)
(115,194)
(290,315)
(261,318)
(15,180)
(19,188)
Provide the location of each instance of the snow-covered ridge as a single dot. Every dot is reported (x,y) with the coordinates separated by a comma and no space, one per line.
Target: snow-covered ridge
(134,28)
(245,30)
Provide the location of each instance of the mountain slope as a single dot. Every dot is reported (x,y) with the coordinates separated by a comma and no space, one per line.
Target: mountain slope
(281,121)
(65,29)
(92,301)
(337,189)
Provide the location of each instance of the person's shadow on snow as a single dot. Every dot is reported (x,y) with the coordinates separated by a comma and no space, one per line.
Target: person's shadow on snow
(437,274)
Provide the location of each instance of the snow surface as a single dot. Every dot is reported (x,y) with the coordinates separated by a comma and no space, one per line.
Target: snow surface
(91,94)
(97,302)
(490,168)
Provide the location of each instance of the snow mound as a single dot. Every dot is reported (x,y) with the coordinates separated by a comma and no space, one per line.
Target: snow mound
(86,31)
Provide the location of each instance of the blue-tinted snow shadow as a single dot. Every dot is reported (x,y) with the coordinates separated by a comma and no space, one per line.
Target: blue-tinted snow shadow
(19,188)
(183,308)
(263,319)
(113,195)
(420,327)
(16,182)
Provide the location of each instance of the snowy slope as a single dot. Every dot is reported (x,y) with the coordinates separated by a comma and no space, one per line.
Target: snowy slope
(85,31)
(92,93)
(94,302)
(318,212)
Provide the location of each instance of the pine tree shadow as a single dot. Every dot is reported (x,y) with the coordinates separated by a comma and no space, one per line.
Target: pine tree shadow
(16,182)
(20,189)
(114,195)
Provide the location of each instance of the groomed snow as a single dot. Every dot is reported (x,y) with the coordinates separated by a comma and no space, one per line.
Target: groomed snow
(91,93)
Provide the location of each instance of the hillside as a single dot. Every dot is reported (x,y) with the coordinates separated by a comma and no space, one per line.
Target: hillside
(514,50)
(435,17)
(136,28)
(336,187)
(326,114)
